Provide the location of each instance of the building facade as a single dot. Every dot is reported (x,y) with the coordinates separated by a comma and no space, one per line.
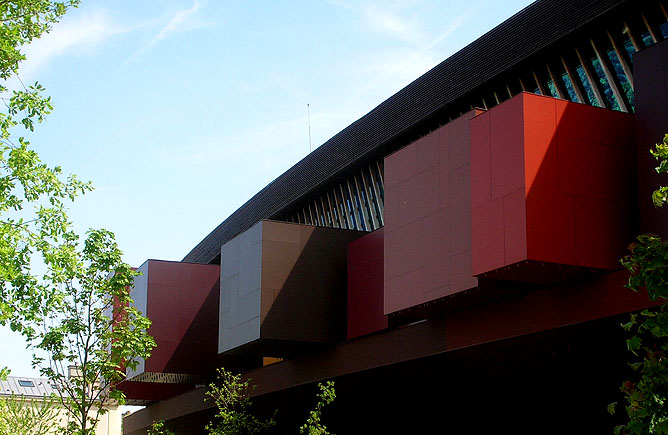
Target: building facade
(451,258)
(35,392)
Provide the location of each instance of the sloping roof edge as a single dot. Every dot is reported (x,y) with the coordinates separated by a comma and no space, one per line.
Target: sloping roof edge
(519,37)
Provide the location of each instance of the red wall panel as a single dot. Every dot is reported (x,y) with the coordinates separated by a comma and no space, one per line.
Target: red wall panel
(365,285)
(182,303)
(552,183)
(427,238)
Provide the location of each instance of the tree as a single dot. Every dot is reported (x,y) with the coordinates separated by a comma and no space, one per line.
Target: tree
(314,424)
(232,398)
(646,397)
(78,312)
(19,415)
(158,428)
(94,332)
(33,196)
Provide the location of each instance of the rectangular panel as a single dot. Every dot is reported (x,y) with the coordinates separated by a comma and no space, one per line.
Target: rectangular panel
(428,218)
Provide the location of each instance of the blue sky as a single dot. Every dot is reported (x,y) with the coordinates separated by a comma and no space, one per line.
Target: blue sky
(179,111)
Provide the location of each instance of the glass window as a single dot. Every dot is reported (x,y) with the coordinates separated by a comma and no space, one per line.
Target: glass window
(607,90)
(628,44)
(553,89)
(663,28)
(587,86)
(569,88)
(26,383)
(623,79)
(647,38)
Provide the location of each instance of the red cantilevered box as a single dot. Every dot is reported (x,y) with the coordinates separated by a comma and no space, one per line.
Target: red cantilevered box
(551,188)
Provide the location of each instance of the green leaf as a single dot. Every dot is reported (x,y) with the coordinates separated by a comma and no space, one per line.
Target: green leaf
(633,344)
(611,408)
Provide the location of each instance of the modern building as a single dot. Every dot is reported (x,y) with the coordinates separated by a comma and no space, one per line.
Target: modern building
(451,258)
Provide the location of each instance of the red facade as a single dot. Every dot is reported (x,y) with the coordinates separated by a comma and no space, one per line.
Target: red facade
(492,286)
(181,300)
(428,218)
(553,183)
(365,285)
(182,304)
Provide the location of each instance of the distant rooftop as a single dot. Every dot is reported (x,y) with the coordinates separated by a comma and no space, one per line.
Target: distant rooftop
(26,386)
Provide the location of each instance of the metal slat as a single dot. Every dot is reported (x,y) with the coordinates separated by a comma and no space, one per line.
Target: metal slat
(636,28)
(310,213)
(362,204)
(322,216)
(622,56)
(333,212)
(561,92)
(592,77)
(541,87)
(611,76)
(320,212)
(358,223)
(634,39)
(381,179)
(652,32)
(370,208)
(655,14)
(574,77)
(316,213)
(329,221)
(376,192)
(346,209)
(524,88)
(342,215)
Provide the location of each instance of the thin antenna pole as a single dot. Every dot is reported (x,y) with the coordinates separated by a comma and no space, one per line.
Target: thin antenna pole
(308,109)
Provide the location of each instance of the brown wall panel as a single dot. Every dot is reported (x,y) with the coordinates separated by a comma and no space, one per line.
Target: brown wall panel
(283,285)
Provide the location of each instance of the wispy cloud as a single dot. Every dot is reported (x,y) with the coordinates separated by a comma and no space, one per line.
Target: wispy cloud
(391,19)
(394,25)
(173,25)
(402,65)
(80,32)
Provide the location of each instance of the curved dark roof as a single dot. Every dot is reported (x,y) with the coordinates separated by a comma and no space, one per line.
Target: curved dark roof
(524,34)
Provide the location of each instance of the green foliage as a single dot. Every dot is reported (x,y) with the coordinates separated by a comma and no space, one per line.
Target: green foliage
(660,152)
(313,424)
(646,397)
(19,415)
(232,398)
(90,331)
(33,195)
(647,264)
(22,22)
(78,313)
(158,428)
